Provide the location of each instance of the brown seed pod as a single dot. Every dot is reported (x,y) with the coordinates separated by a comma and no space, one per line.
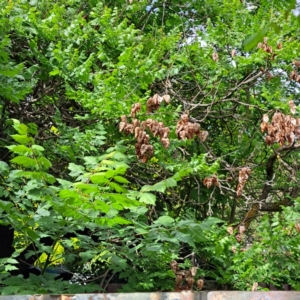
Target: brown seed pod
(296,63)
(174,266)
(167,98)
(215,56)
(134,109)
(238,237)
(193,271)
(190,281)
(178,279)
(200,283)
(123,123)
(292,106)
(242,229)
(230,230)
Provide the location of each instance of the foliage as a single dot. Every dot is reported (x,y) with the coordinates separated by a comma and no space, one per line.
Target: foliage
(105,181)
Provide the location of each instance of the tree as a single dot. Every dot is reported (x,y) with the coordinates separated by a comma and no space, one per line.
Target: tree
(107,171)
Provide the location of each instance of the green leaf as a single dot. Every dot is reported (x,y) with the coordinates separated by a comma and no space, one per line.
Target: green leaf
(43,212)
(44,163)
(118,188)
(20,149)
(64,183)
(76,170)
(121,179)
(6,205)
(99,178)
(38,148)
(253,40)
(165,221)
(22,139)
(87,188)
(24,161)
(3,166)
(10,268)
(147,198)
(19,127)
(184,238)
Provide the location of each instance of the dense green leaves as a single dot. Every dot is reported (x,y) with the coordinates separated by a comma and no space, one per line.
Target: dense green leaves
(72,190)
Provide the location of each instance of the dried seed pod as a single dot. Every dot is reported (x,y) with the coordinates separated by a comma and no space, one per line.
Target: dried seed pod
(137,131)
(233,53)
(190,281)
(174,266)
(230,230)
(215,56)
(269,49)
(243,177)
(204,135)
(129,129)
(134,109)
(193,271)
(200,283)
(135,123)
(242,229)
(178,279)
(209,181)
(165,142)
(265,118)
(293,75)
(167,98)
(297,226)
(238,237)
(292,106)
(123,123)
(254,286)
(296,63)
(279,45)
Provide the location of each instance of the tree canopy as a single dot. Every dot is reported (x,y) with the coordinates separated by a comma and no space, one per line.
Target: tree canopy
(149,143)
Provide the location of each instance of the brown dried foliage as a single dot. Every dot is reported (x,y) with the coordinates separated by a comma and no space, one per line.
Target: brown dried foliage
(209,181)
(295,76)
(296,63)
(184,279)
(243,177)
(238,237)
(292,106)
(158,129)
(215,56)
(230,230)
(135,108)
(242,229)
(200,283)
(264,46)
(283,129)
(174,266)
(187,130)
(142,148)
(154,102)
